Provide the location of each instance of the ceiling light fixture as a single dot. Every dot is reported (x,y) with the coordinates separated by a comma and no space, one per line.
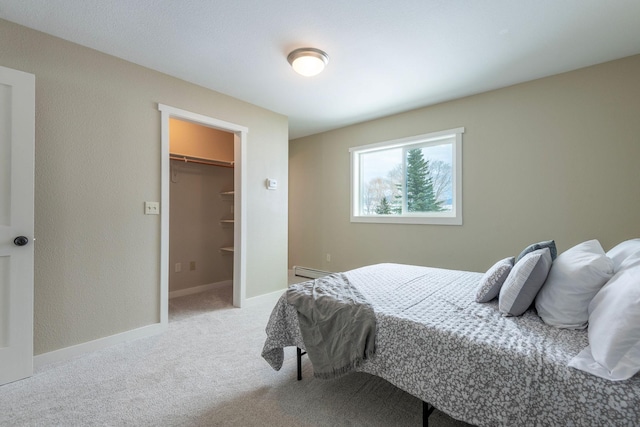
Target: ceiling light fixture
(308,61)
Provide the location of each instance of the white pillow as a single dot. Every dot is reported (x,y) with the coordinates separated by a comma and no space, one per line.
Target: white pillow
(523,283)
(575,278)
(614,336)
(622,250)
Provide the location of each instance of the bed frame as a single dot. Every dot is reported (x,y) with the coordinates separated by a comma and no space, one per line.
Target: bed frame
(427,408)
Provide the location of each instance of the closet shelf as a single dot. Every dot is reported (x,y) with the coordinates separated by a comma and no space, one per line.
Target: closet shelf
(227,249)
(200,160)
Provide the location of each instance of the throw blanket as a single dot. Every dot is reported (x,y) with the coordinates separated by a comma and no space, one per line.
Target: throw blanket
(337,323)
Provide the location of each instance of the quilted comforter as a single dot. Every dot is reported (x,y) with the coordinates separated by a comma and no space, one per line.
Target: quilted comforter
(436,343)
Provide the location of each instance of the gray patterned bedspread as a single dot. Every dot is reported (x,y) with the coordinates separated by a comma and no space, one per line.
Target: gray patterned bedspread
(436,343)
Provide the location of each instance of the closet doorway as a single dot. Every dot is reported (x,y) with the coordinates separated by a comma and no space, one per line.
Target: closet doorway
(202,166)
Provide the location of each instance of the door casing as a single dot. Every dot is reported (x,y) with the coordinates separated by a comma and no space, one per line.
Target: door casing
(239,178)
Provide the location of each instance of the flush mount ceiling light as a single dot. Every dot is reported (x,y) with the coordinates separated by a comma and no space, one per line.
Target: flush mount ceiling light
(308,61)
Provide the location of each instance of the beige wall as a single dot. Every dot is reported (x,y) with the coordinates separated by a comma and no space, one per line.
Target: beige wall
(195,140)
(97,257)
(196,233)
(197,206)
(556,158)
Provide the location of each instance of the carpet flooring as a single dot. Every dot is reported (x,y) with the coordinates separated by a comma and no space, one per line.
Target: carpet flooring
(205,370)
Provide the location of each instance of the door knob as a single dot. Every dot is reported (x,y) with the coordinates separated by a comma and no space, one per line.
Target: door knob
(20,241)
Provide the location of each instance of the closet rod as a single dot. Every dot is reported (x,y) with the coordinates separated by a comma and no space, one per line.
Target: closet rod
(200,160)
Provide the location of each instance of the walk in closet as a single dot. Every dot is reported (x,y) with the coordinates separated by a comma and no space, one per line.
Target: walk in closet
(201,217)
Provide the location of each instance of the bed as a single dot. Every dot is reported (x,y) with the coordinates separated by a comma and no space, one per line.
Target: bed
(434,341)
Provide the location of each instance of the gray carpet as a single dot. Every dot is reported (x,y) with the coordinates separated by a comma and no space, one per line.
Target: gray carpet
(206,370)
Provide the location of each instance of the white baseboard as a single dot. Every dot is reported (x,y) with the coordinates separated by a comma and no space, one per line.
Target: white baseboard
(271,296)
(68,353)
(201,288)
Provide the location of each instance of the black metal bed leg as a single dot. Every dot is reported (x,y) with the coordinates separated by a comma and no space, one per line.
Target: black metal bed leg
(426,411)
(300,353)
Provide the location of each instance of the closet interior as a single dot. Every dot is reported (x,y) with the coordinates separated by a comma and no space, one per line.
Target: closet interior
(201,216)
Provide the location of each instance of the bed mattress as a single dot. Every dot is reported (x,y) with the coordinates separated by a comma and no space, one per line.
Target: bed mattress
(436,343)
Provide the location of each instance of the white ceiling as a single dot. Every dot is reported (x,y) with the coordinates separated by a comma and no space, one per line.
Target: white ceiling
(385,57)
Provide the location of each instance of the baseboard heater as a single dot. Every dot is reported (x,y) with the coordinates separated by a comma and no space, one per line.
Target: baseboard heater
(309,273)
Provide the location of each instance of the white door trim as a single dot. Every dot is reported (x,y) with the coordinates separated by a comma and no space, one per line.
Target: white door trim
(240,170)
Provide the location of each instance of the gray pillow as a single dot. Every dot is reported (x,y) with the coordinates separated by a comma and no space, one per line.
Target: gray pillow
(551,244)
(491,282)
(524,282)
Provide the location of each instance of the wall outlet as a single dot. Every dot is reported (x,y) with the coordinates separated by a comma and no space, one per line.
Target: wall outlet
(178,267)
(152,208)
(328,257)
(192,265)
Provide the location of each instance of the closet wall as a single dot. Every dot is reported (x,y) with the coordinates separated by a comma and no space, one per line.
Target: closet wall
(200,211)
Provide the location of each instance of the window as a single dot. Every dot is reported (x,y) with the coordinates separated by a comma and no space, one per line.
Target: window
(414,180)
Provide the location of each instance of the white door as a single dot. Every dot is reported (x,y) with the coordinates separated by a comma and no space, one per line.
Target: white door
(17,127)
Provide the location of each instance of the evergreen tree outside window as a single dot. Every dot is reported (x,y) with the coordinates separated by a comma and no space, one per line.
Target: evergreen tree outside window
(384,208)
(420,194)
(415,180)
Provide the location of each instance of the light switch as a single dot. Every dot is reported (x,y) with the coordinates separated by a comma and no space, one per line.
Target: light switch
(272,184)
(152,208)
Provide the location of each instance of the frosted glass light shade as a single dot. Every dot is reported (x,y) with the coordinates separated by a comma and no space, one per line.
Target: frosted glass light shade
(308,61)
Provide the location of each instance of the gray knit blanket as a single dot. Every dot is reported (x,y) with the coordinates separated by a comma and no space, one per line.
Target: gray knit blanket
(337,324)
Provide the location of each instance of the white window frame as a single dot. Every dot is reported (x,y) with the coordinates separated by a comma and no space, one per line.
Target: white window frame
(454,217)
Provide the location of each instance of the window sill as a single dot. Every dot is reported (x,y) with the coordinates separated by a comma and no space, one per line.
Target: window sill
(392,219)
